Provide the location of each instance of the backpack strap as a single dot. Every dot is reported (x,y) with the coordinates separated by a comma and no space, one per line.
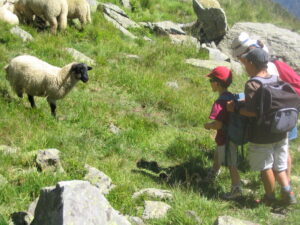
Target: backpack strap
(262,81)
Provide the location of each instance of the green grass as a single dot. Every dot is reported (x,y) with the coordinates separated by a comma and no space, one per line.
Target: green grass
(156,122)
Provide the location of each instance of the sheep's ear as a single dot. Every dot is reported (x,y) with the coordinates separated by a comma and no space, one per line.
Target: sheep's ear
(89,68)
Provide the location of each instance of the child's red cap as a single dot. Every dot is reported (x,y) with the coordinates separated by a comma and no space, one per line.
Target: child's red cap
(221,72)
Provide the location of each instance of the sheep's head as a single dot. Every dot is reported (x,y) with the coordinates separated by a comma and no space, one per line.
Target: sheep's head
(80,71)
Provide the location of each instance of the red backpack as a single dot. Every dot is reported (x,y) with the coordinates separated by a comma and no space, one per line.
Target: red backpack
(287,74)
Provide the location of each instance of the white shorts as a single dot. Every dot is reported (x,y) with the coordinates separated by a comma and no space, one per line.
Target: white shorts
(231,156)
(269,156)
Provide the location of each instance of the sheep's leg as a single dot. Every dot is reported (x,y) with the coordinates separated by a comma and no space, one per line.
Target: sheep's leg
(53,108)
(31,100)
(53,24)
(52,104)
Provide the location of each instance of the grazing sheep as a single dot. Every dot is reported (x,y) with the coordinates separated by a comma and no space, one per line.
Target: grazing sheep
(53,11)
(7,16)
(79,9)
(30,75)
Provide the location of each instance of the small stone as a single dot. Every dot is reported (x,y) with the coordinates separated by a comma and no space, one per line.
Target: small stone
(8,150)
(172,84)
(155,209)
(114,129)
(25,36)
(155,193)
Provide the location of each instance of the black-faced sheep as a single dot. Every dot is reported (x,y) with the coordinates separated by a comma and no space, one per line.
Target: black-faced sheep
(79,9)
(30,75)
(53,11)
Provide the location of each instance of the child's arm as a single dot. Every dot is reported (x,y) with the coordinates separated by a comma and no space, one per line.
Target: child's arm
(215,125)
(243,111)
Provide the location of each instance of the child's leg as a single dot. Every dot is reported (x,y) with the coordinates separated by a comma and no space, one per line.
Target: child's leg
(268,180)
(216,165)
(235,176)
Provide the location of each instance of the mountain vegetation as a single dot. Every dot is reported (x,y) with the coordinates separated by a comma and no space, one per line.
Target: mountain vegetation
(156,122)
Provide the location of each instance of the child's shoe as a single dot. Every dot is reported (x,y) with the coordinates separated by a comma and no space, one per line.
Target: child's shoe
(211,175)
(235,192)
(288,198)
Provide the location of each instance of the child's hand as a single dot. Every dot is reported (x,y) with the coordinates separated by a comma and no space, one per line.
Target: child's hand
(207,126)
(230,106)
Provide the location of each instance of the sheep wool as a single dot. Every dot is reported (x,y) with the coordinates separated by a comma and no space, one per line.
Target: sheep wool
(7,16)
(30,75)
(81,10)
(53,11)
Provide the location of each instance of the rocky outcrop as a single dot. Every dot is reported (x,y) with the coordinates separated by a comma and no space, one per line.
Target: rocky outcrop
(77,203)
(280,42)
(211,24)
(118,18)
(155,209)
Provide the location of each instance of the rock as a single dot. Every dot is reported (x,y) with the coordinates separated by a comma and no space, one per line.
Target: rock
(155,210)
(166,27)
(98,179)
(77,203)
(212,23)
(126,4)
(172,84)
(114,129)
(245,182)
(49,160)
(8,150)
(118,26)
(32,207)
(216,54)
(3,181)
(130,56)
(103,6)
(154,193)
(25,36)
(80,57)
(147,39)
(277,216)
(180,39)
(194,216)
(21,218)
(124,21)
(136,220)
(208,64)
(287,45)
(228,220)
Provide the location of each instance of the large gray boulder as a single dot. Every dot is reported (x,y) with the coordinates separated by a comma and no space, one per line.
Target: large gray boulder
(280,42)
(211,24)
(77,203)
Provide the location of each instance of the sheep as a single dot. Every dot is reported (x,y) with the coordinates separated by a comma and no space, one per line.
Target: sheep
(53,11)
(79,9)
(7,16)
(30,75)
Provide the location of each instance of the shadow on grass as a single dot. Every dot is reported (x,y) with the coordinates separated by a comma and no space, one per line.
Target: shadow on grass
(189,174)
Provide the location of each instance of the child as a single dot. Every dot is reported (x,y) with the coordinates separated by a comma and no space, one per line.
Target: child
(268,152)
(220,80)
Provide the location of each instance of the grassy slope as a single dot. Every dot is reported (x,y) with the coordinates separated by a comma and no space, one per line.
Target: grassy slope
(156,122)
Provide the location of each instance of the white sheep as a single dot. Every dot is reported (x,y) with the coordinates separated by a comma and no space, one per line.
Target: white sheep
(30,75)
(53,11)
(7,16)
(79,9)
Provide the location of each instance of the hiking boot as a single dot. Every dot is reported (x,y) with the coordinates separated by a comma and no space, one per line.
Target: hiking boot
(288,198)
(268,201)
(211,175)
(235,192)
